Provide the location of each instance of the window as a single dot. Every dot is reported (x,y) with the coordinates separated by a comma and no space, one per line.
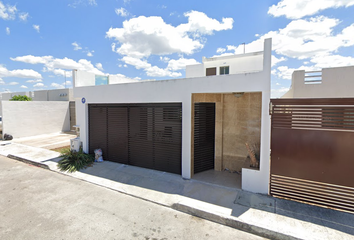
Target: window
(211,71)
(101,80)
(224,70)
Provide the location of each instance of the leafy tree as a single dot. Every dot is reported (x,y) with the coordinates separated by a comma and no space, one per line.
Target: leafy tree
(20,98)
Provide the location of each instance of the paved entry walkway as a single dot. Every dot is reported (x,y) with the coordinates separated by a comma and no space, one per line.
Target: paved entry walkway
(255,213)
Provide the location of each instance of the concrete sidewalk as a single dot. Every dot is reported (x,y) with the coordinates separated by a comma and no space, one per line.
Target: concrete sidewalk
(255,213)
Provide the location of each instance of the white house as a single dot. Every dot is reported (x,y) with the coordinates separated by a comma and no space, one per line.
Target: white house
(327,83)
(185,125)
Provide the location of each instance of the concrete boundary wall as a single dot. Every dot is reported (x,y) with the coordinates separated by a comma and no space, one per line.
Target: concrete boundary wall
(30,118)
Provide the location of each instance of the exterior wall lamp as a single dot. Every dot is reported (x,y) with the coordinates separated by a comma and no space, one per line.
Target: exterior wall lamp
(238,94)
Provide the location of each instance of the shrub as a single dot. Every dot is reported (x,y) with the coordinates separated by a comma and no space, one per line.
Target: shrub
(20,98)
(73,161)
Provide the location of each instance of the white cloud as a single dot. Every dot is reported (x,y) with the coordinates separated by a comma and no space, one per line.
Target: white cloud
(76,46)
(23,86)
(13,83)
(181,63)
(90,53)
(57,65)
(38,85)
(276,60)
(2,81)
(164,59)
(99,66)
(92,2)
(58,72)
(121,12)
(23,16)
(20,73)
(307,38)
(152,71)
(200,23)
(326,61)
(220,50)
(155,71)
(120,78)
(144,36)
(8,31)
(7,12)
(33,59)
(36,27)
(34,81)
(295,9)
(284,72)
(82,2)
(136,62)
(277,93)
(57,85)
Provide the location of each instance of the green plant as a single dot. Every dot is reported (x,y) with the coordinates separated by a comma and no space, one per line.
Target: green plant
(73,161)
(20,98)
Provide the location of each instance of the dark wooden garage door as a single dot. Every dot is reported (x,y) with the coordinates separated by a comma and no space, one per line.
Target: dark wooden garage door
(144,135)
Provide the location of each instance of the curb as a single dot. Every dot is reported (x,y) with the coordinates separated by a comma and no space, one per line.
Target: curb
(232,222)
(41,165)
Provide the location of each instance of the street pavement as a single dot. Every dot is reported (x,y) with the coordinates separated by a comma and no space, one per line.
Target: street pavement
(258,214)
(39,204)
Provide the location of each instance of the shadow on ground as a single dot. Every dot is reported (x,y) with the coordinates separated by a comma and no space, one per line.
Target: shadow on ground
(238,201)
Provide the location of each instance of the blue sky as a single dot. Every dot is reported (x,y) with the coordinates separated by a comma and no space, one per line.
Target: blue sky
(41,40)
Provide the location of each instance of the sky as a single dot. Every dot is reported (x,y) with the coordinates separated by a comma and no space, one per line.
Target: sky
(41,41)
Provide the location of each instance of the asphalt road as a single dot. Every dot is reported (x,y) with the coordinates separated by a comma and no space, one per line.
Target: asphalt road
(39,204)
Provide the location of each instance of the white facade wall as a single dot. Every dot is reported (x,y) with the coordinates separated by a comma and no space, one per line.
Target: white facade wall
(86,79)
(61,95)
(181,90)
(30,118)
(336,82)
(41,95)
(242,63)
(196,70)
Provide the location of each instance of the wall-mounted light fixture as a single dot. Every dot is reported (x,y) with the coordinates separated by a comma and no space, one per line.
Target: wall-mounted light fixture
(238,94)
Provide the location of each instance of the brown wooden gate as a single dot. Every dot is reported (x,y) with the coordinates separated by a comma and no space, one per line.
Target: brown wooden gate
(312,151)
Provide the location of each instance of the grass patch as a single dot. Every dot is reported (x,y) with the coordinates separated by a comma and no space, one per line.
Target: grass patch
(72,161)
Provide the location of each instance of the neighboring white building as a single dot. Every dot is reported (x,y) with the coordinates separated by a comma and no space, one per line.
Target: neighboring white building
(335,82)
(153,123)
(234,64)
(65,94)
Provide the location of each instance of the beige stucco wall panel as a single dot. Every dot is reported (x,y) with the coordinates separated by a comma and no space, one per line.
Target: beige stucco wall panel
(241,124)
